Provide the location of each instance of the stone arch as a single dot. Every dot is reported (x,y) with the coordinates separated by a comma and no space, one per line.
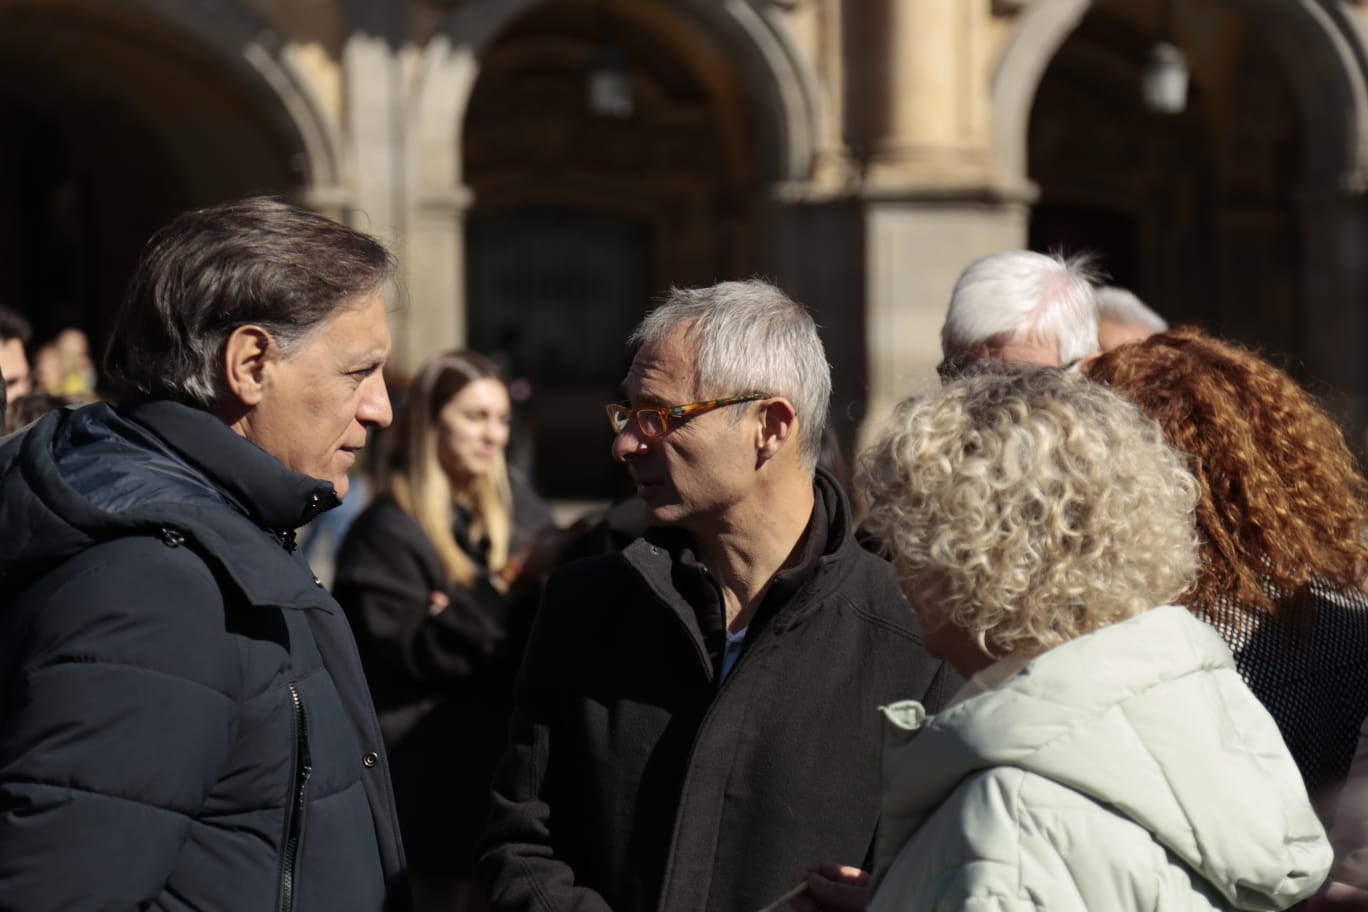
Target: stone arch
(247,47)
(777,79)
(1321,49)
(143,110)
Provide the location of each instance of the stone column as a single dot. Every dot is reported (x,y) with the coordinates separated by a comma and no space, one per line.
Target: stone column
(373,170)
(434,296)
(918,95)
(932,198)
(915,250)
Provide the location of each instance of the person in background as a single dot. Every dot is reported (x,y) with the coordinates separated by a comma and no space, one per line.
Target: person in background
(1346,888)
(15,334)
(184,722)
(1018,306)
(76,369)
(694,714)
(1104,753)
(1282,515)
(439,577)
(27,409)
(1122,318)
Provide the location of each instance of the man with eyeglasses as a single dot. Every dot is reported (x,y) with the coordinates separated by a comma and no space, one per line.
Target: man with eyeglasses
(696,715)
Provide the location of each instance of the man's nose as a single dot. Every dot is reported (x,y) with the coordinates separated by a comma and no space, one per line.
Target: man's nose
(375,405)
(628,442)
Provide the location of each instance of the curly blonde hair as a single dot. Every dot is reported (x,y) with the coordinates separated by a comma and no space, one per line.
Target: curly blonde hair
(1030,507)
(1282,501)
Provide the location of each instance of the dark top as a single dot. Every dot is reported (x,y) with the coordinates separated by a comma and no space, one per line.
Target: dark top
(442,684)
(637,779)
(1314,682)
(184,720)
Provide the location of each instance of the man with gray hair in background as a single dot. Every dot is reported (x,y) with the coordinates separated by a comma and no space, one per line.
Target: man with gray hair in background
(1020,306)
(695,715)
(1122,318)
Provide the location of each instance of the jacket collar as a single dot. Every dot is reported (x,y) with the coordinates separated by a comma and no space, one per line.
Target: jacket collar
(666,560)
(251,479)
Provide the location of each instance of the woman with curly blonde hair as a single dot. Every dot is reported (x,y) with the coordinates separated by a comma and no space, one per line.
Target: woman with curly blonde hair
(1103,753)
(1282,516)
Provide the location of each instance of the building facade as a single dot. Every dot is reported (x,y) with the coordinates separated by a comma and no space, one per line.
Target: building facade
(546,168)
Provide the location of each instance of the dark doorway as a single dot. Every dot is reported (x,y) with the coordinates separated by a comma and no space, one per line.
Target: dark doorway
(554,293)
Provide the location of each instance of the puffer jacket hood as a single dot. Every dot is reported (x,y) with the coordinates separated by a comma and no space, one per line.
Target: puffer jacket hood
(1148,718)
(68,482)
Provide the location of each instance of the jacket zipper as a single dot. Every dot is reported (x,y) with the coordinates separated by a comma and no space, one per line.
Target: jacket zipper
(303,767)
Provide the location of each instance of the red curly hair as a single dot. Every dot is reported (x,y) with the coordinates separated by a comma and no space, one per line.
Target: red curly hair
(1282,500)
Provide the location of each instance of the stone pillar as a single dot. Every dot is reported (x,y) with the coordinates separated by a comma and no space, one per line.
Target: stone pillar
(915,249)
(918,97)
(440,77)
(434,294)
(932,200)
(374,167)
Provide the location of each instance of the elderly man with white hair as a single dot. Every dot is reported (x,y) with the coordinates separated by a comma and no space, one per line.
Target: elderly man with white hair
(1122,318)
(1023,307)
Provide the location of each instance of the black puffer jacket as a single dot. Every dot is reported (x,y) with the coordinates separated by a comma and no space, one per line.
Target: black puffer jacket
(636,779)
(183,719)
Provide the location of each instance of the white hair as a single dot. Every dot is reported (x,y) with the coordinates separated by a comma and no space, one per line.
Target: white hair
(1020,294)
(751,337)
(1124,307)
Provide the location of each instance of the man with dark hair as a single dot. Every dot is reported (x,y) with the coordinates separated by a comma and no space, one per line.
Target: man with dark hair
(15,334)
(185,722)
(697,715)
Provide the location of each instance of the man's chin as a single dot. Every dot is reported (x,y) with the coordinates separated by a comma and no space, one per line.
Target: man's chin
(662,514)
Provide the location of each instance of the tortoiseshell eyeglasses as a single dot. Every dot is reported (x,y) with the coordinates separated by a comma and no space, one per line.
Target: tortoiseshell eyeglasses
(654,423)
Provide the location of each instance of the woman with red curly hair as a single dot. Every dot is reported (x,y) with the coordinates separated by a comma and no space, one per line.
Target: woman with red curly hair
(1282,515)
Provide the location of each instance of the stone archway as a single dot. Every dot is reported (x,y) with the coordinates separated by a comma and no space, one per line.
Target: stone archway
(580,218)
(1319,49)
(131,122)
(773,80)
(1322,52)
(779,84)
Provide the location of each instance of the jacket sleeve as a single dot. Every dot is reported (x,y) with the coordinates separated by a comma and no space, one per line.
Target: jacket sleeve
(122,703)
(1349,835)
(520,862)
(1005,840)
(386,574)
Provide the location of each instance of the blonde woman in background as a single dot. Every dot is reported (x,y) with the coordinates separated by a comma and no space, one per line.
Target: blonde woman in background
(439,577)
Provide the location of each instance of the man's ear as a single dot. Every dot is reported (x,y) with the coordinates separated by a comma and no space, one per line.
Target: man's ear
(245,356)
(778,427)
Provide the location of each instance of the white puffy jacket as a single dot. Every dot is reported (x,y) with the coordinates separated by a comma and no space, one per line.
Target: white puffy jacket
(1127,769)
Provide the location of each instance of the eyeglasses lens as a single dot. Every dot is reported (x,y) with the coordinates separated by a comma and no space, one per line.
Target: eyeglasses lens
(652,423)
